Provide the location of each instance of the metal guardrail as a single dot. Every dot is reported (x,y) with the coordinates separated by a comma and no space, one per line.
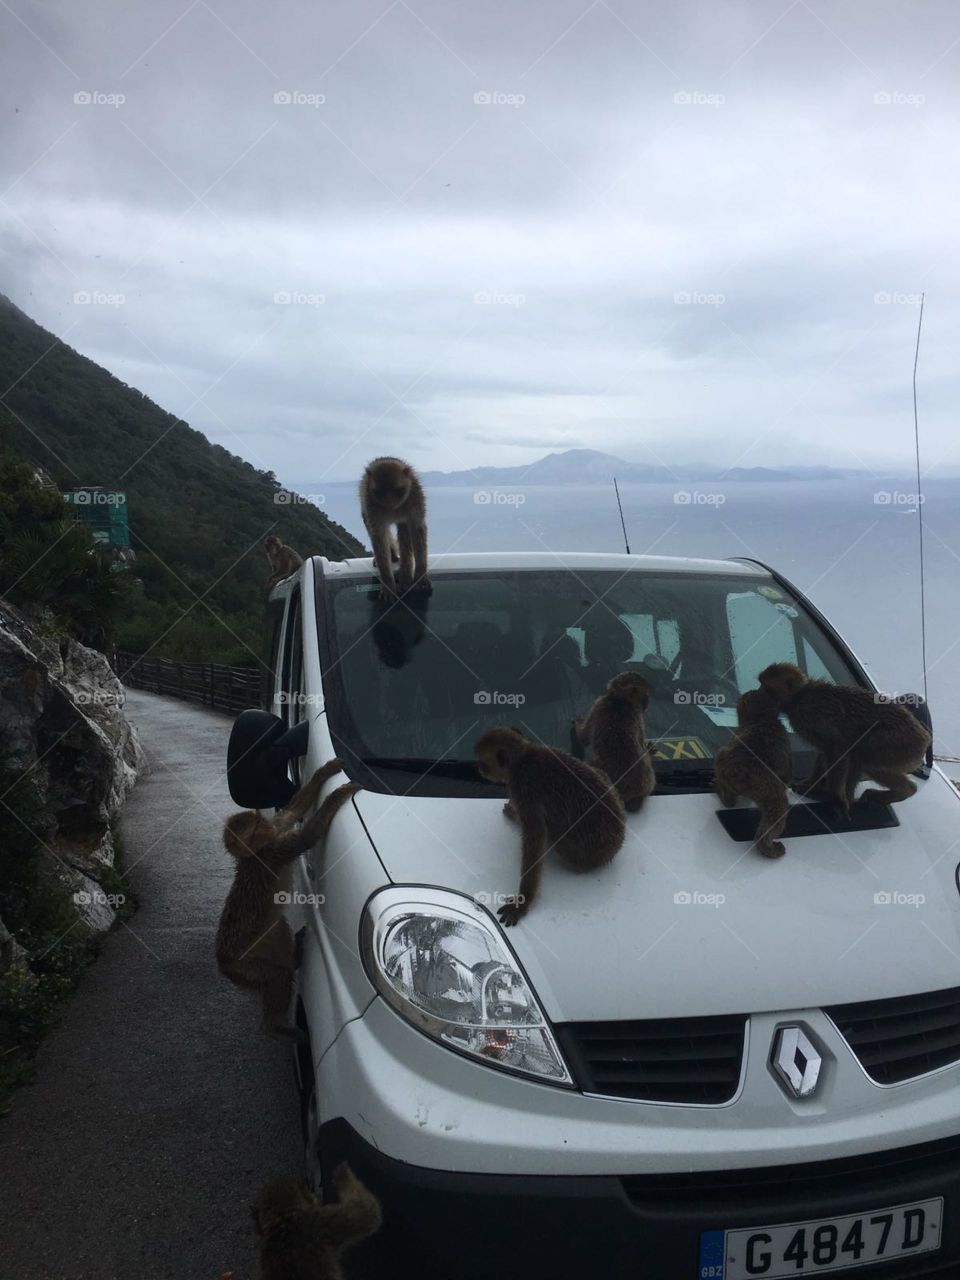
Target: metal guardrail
(209,683)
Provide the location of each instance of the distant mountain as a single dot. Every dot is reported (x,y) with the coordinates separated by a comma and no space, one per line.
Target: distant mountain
(589,466)
(197,513)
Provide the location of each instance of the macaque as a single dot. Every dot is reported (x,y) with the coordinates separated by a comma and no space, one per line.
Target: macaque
(283,559)
(560,803)
(303,1239)
(391,495)
(856,733)
(757,763)
(615,733)
(254,945)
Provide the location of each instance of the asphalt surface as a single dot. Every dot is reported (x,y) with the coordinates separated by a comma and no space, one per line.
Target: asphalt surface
(159,1110)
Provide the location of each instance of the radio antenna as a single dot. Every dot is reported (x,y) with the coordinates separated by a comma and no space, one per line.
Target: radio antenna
(616,490)
(916,442)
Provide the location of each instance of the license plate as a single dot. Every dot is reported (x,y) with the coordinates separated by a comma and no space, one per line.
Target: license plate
(821,1245)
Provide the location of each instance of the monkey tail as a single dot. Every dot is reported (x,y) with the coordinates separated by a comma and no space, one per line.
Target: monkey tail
(773,811)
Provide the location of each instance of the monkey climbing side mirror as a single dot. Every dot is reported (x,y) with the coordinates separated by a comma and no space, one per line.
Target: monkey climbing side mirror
(258,758)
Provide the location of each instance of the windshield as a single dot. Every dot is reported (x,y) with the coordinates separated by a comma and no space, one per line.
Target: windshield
(411,686)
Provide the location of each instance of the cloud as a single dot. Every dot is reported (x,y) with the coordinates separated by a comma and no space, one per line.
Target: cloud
(455,234)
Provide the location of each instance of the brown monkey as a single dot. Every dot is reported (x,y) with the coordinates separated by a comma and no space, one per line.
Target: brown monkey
(855,732)
(391,494)
(560,803)
(283,559)
(301,1238)
(615,733)
(254,946)
(757,763)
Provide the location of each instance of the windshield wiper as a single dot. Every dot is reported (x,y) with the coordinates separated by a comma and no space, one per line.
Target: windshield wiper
(465,769)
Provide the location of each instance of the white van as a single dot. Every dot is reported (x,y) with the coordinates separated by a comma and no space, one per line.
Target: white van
(694,1063)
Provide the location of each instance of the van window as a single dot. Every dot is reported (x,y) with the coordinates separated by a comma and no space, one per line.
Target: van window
(292,683)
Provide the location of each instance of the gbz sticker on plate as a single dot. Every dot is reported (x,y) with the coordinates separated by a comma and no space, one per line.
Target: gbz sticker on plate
(821,1245)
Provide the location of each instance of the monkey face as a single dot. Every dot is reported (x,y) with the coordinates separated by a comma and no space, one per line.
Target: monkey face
(756,705)
(496,750)
(783,680)
(271,543)
(243,834)
(632,687)
(285,1196)
(390,484)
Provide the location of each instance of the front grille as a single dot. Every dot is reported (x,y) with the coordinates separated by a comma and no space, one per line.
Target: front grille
(896,1040)
(691,1060)
(907,1173)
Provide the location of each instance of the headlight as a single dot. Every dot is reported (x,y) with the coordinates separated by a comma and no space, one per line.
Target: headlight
(439,960)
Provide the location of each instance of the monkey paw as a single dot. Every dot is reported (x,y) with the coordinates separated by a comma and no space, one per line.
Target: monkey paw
(774,849)
(423,586)
(511,912)
(388,594)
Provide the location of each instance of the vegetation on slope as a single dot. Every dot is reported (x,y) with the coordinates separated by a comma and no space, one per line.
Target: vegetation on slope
(197,513)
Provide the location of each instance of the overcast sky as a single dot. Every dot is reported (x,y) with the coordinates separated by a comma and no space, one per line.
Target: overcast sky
(674,232)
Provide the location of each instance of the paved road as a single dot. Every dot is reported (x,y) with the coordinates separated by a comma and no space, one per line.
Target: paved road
(158,1111)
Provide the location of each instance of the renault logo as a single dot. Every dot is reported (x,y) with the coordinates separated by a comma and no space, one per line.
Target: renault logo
(796,1062)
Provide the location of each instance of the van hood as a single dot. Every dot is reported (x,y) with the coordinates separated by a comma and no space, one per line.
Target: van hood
(685,922)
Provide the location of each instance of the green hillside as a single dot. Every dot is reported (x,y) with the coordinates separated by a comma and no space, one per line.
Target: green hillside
(197,513)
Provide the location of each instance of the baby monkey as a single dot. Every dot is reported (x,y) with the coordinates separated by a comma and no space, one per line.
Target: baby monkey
(391,494)
(301,1238)
(283,559)
(615,733)
(757,763)
(254,945)
(559,802)
(855,731)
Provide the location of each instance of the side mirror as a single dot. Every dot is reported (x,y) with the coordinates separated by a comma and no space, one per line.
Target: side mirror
(916,704)
(919,707)
(258,758)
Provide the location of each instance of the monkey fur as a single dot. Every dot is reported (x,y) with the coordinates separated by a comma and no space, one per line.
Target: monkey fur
(616,736)
(254,947)
(302,1239)
(283,559)
(855,732)
(391,494)
(560,803)
(757,763)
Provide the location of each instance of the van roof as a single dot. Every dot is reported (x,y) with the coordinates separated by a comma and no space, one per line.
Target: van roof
(479,561)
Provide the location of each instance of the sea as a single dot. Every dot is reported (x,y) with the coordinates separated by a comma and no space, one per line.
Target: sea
(850,544)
